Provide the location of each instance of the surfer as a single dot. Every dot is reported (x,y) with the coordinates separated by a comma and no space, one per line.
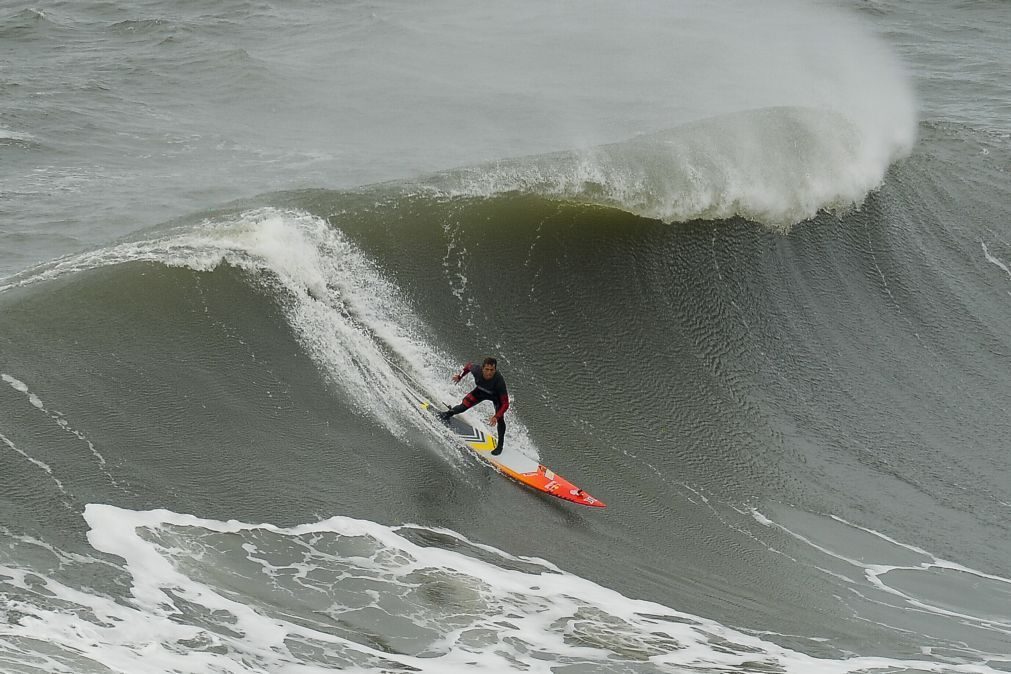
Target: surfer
(488,385)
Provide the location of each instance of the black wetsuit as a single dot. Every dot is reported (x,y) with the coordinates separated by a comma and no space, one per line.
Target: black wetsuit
(493,389)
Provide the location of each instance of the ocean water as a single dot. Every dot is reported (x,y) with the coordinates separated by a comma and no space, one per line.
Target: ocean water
(746,268)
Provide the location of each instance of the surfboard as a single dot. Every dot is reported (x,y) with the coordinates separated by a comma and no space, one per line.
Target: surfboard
(512,462)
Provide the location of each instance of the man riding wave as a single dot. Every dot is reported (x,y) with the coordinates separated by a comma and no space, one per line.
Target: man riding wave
(488,385)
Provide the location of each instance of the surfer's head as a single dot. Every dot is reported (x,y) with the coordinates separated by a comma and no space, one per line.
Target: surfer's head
(489,367)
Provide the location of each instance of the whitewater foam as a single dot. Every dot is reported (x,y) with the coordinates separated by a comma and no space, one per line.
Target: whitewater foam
(775,166)
(349,593)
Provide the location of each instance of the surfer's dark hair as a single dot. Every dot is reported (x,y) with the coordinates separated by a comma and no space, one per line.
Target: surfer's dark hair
(490,361)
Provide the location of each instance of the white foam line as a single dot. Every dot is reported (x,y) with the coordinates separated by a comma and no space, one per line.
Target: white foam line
(14,135)
(874,572)
(63,556)
(992,259)
(873,569)
(39,464)
(61,421)
(68,265)
(936,562)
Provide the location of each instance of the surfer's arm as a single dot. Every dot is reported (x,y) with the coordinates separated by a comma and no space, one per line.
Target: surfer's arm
(463,373)
(502,407)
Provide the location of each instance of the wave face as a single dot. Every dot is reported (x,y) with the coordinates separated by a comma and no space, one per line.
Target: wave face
(783,427)
(737,291)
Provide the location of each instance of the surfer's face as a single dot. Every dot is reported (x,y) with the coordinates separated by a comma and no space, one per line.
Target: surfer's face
(488,371)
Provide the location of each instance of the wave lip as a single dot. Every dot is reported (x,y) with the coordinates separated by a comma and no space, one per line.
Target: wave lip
(769,114)
(776,166)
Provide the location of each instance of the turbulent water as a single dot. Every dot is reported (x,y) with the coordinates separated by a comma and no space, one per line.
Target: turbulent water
(746,268)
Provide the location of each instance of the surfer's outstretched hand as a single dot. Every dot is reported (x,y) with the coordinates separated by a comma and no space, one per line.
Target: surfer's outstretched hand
(456,378)
(492,420)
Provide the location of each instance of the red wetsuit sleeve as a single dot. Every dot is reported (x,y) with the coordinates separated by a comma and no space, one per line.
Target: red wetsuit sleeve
(466,370)
(500,412)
